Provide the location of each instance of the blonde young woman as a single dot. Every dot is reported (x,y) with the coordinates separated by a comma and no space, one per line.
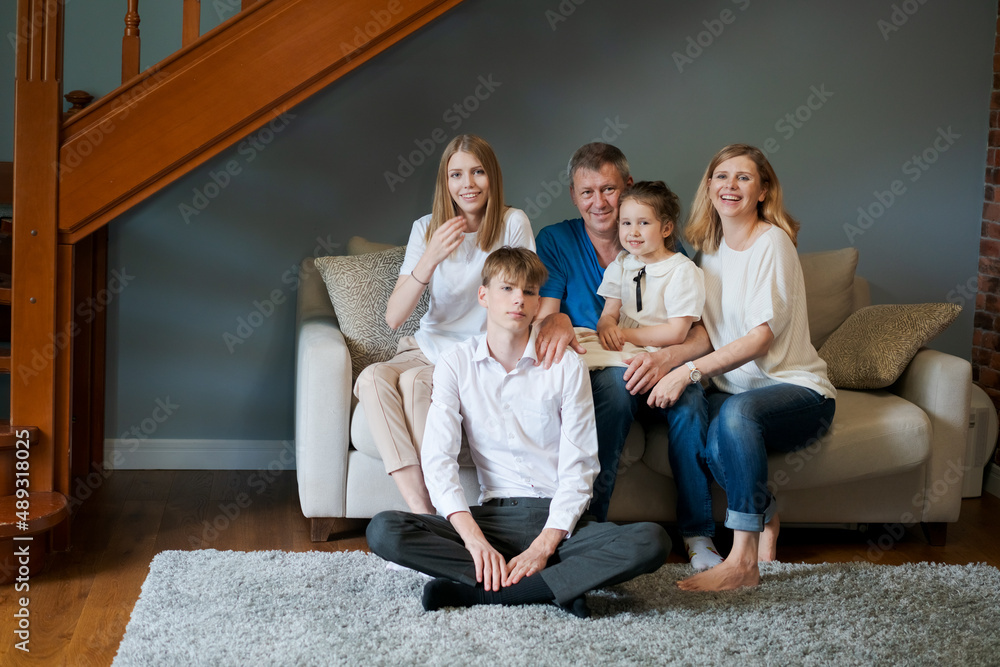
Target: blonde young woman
(770,390)
(444,256)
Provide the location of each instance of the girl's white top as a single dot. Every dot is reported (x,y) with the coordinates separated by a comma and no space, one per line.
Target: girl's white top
(673,287)
(454,313)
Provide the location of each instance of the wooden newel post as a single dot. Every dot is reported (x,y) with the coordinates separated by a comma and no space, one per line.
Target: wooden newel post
(191,29)
(130,42)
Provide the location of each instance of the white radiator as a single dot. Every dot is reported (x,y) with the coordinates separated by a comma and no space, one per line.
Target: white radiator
(982,439)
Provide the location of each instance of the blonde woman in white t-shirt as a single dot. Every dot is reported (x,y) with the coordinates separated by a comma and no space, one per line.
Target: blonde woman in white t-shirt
(770,390)
(444,256)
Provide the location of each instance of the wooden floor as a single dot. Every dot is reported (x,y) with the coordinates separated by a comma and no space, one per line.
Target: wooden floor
(80,604)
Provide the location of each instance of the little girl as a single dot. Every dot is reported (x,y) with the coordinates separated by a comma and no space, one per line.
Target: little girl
(652,292)
(444,256)
(652,296)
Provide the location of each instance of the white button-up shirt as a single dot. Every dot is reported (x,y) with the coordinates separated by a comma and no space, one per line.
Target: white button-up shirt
(531,432)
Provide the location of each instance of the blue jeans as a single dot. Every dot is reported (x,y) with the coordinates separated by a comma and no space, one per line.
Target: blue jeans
(743,428)
(615,409)
(687,431)
(614,412)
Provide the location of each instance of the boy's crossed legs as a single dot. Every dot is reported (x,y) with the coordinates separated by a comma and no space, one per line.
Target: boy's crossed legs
(596,555)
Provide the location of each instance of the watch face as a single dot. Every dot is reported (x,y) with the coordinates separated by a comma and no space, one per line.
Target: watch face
(696,375)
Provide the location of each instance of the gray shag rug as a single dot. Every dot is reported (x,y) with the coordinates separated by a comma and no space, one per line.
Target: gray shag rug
(276,608)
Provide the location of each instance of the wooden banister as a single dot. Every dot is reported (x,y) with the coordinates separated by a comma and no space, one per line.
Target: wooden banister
(192,22)
(234,80)
(131,42)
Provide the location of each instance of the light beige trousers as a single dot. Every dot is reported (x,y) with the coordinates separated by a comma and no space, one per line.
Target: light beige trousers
(396,396)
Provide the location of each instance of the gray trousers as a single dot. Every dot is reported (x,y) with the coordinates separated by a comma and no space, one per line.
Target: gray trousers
(596,555)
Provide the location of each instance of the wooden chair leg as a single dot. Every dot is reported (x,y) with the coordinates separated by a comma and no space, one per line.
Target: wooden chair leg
(936,533)
(321,528)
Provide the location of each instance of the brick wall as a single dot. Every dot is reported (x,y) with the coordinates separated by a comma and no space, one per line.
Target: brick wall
(986,336)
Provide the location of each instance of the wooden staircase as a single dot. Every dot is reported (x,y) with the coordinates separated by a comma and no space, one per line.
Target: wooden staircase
(73,176)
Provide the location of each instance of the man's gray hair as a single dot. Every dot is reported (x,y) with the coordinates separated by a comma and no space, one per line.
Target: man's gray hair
(594,156)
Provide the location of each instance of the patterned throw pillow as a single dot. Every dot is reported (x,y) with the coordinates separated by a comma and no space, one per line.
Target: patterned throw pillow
(872,348)
(359,288)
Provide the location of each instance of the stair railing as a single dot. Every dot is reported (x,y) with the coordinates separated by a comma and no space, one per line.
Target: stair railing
(131,42)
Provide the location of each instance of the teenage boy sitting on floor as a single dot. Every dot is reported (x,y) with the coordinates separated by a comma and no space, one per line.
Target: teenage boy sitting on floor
(532,437)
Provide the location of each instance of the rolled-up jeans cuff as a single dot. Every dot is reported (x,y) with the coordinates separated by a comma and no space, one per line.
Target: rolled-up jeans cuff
(750,522)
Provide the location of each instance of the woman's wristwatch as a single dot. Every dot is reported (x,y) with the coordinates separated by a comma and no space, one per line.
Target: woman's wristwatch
(694,375)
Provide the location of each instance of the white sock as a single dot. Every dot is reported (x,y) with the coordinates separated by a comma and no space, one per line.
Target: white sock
(701,550)
(396,567)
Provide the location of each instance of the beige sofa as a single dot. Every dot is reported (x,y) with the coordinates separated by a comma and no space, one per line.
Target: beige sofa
(894,455)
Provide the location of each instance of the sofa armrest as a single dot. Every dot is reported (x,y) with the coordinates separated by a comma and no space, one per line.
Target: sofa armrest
(940,384)
(322,403)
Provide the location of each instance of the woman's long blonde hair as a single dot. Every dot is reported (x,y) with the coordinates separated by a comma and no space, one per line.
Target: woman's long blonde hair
(492,227)
(704,227)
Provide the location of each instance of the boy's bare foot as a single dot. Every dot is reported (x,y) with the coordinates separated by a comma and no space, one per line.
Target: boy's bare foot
(767,548)
(727,576)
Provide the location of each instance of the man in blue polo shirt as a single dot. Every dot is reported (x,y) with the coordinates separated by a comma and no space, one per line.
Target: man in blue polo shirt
(576,252)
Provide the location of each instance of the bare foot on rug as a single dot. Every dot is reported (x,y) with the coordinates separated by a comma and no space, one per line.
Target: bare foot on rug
(727,576)
(738,570)
(767,549)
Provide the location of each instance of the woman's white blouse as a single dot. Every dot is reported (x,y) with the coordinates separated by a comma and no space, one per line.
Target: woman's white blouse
(762,284)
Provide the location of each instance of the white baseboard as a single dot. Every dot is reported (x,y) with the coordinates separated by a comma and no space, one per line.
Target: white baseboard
(992,483)
(130,454)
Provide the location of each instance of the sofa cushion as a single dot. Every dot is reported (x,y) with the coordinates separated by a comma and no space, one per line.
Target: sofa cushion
(359,288)
(829,282)
(873,347)
(362,440)
(361,435)
(874,434)
(359,245)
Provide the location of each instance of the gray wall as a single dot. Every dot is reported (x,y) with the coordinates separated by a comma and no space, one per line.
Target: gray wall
(887,93)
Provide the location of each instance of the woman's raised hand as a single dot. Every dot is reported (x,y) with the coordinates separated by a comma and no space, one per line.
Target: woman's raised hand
(445,240)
